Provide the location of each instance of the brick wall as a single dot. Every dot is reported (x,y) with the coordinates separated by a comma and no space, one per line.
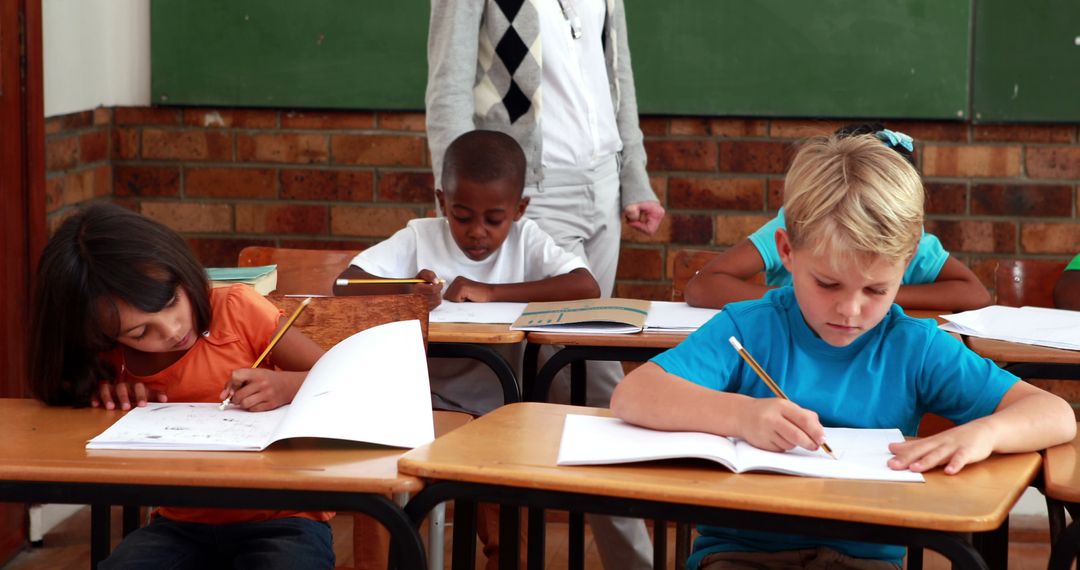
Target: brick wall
(227,178)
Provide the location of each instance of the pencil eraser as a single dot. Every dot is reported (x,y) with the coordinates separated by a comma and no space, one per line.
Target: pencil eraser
(735,343)
(341,282)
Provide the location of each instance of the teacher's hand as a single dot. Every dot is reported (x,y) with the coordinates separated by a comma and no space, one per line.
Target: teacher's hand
(644,216)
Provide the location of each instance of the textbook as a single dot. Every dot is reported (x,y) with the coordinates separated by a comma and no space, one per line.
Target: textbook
(371,387)
(603,315)
(861,453)
(1056,328)
(263,278)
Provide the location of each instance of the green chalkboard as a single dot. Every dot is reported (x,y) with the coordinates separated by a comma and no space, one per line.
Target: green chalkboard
(1027,61)
(290,53)
(823,58)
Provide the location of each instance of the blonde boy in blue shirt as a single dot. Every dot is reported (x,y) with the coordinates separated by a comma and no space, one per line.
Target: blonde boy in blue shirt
(842,351)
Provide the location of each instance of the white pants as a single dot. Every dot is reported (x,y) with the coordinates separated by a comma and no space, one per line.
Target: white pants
(582,211)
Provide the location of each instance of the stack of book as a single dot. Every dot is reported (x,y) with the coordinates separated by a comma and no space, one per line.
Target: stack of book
(263,278)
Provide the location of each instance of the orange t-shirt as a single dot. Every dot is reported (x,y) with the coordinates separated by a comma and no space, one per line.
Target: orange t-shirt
(241,325)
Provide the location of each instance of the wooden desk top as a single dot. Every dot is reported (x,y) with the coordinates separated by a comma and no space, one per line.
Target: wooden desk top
(517,445)
(1061,469)
(473,333)
(1014,352)
(47,444)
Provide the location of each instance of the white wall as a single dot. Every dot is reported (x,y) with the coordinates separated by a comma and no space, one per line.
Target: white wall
(96,52)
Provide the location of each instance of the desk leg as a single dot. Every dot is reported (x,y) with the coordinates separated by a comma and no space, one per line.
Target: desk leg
(659,544)
(464,556)
(529,369)
(576,542)
(537,537)
(486,355)
(994,546)
(436,536)
(509,533)
(132,518)
(578,383)
(100,529)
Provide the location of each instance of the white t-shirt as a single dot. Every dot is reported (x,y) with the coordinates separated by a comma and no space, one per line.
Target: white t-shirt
(528,254)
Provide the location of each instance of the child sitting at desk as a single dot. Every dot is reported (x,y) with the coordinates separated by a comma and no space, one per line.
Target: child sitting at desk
(123,314)
(933,279)
(842,351)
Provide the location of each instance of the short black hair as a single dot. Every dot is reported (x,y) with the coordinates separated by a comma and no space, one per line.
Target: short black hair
(873,128)
(484,156)
(98,254)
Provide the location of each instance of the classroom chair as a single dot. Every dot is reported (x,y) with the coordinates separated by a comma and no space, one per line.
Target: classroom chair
(328,321)
(1027,282)
(300,271)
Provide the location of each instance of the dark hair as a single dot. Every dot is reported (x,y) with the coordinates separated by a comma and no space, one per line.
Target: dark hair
(484,156)
(873,128)
(101,253)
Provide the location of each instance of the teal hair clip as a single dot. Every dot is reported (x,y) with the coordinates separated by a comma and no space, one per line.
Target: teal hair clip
(896,138)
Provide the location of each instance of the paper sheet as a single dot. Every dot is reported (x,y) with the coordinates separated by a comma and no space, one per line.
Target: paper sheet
(1040,326)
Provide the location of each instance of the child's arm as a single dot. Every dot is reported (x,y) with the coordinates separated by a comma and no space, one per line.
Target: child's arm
(1026,419)
(724,278)
(261,389)
(1067,291)
(577,284)
(651,397)
(430,291)
(956,289)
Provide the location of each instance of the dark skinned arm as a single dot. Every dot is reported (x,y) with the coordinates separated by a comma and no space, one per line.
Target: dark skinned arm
(577,284)
(956,289)
(724,279)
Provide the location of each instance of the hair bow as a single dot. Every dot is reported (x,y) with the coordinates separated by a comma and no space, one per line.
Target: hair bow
(896,138)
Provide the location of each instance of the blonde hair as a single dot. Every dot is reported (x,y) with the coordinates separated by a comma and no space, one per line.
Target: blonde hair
(854,198)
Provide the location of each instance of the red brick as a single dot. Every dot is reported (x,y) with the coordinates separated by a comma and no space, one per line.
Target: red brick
(984,268)
(306,184)
(640,263)
(1050,238)
(93,146)
(775,194)
(125,143)
(230,183)
(804,129)
(654,126)
(368,222)
(103,116)
(731,230)
(659,187)
(406,187)
(191,216)
(691,229)
(945,198)
(1021,200)
(414,122)
(186,145)
(146,181)
(681,154)
(1024,133)
(974,236)
(379,150)
(69,122)
(689,126)
(931,131)
(146,116)
(755,156)
(103,180)
(281,219)
(239,118)
(327,120)
(54,192)
(282,147)
(1053,162)
(662,235)
(61,153)
(223,252)
(647,291)
(716,193)
(972,160)
(738,127)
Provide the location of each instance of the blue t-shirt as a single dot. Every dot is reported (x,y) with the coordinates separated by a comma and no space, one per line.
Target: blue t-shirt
(924,267)
(887,378)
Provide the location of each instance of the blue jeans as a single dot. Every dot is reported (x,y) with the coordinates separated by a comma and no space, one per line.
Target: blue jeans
(279,544)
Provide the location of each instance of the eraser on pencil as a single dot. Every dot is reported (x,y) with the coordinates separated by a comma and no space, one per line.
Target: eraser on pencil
(735,343)
(341,282)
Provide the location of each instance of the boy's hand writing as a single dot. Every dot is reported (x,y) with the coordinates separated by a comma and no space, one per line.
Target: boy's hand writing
(954,448)
(431,291)
(122,394)
(773,424)
(261,389)
(463,289)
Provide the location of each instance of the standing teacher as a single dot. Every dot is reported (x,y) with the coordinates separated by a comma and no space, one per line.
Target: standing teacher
(569,101)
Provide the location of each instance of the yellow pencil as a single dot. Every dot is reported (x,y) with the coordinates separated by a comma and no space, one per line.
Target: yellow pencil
(768,380)
(273,343)
(343,282)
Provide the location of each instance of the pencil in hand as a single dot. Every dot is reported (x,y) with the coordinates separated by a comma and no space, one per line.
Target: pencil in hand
(273,342)
(768,380)
(379,281)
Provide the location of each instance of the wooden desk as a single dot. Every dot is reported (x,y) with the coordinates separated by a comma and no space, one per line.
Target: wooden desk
(475,341)
(44,460)
(1016,353)
(508,456)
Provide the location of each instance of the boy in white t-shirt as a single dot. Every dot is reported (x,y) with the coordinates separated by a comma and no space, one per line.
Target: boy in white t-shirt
(483,250)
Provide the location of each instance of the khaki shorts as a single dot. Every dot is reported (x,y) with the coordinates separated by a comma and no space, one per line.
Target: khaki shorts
(808,559)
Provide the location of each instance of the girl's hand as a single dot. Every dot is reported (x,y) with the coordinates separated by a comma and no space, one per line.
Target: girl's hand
(110,395)
(463,289)
(431,291)
(773,424)
(261,389)
(954,448)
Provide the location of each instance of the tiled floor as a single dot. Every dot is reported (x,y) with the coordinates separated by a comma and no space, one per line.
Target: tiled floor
(65,548)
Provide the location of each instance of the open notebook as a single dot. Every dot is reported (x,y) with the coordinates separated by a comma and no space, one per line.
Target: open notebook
(611,315)
(1056,328)
(371,387)
(861,453)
